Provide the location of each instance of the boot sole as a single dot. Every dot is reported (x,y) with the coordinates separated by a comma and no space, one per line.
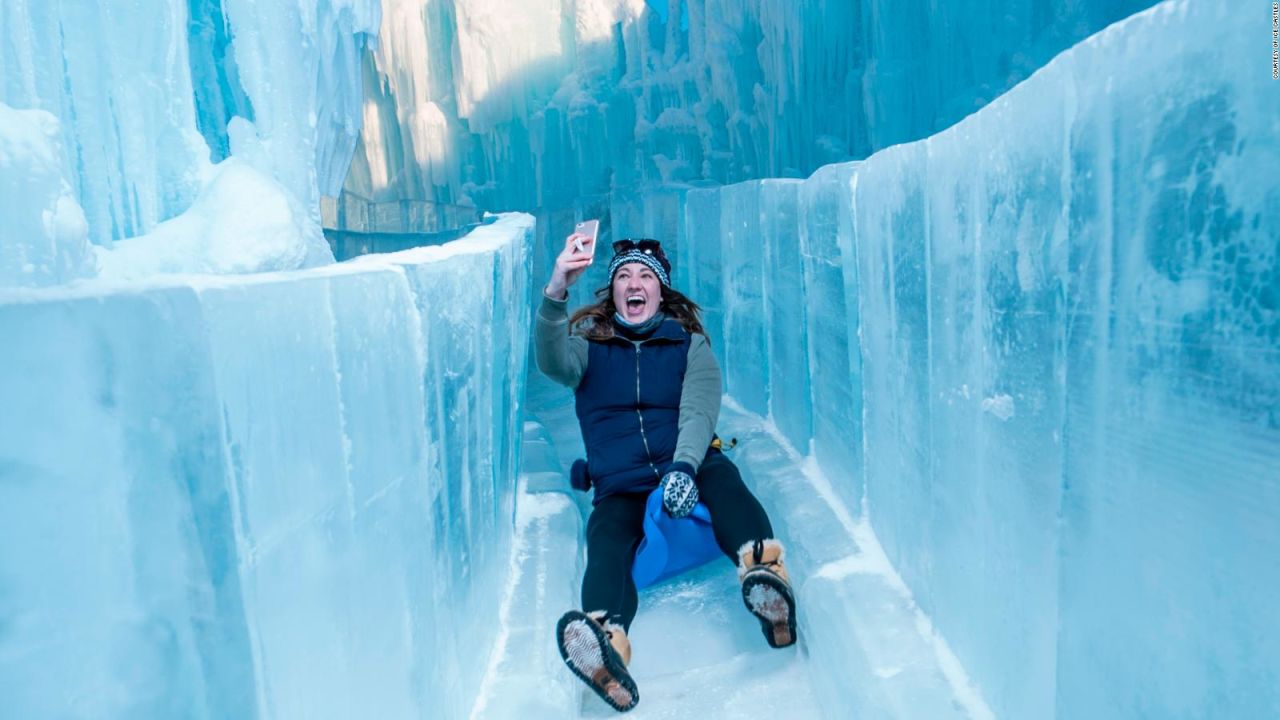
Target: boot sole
(586,650)
(769,598)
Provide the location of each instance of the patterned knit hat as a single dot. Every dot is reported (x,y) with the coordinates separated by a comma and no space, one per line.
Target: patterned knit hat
(645,251)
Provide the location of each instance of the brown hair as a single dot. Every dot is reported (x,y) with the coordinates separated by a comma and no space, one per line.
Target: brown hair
(595,322)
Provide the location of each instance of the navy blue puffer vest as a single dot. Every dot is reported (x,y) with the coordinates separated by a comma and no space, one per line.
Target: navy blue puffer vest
(628,404)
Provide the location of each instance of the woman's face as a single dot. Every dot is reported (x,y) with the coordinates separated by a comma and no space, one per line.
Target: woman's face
(637,292)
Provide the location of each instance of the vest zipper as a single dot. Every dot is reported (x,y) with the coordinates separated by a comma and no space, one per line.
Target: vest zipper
(648,455)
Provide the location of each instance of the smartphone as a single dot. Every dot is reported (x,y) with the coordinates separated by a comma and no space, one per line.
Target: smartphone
(590,228)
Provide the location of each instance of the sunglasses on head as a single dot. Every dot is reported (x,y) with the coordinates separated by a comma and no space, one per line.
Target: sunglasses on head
(644,245)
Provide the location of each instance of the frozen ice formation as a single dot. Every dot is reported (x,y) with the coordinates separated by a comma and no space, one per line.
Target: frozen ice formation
(146,92)
(510,105)
(1096,253)
(43,236)
(488,103)
(277,495)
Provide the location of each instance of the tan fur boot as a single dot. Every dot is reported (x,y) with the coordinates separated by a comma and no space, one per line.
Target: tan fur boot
(598,652)
(617,636)
(766,590)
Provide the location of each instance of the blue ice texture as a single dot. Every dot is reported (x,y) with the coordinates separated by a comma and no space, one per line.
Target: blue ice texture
(145,95)
(1040,351)
(288,495)
(554,105)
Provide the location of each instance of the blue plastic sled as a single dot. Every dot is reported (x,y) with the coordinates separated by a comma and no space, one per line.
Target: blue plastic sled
(670,545)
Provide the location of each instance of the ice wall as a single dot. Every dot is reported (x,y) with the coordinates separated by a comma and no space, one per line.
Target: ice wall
(145,93)
(1041,350)
(299,63)
(286,495)
(117,78)
(510,105)
(44,237)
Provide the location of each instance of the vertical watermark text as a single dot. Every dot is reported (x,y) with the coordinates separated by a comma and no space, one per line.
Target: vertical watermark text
(1275,39)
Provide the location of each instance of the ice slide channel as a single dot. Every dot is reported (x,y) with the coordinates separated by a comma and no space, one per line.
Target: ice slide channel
(697,652)
(1057,397)
(1033,361)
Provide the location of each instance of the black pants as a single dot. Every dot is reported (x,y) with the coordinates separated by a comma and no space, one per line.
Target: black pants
(616,527)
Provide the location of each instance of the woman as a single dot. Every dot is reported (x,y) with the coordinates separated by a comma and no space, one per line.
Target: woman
(647,392)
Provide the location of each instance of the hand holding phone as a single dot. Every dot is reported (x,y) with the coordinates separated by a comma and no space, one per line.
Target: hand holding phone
(579,252)
(591,229)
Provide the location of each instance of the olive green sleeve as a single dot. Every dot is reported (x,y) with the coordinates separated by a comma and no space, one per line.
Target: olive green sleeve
(560,356)
(699,403)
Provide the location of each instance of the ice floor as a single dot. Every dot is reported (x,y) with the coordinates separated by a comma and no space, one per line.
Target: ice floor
(697,652)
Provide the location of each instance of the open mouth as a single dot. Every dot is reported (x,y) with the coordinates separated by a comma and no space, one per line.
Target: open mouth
(635,302)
